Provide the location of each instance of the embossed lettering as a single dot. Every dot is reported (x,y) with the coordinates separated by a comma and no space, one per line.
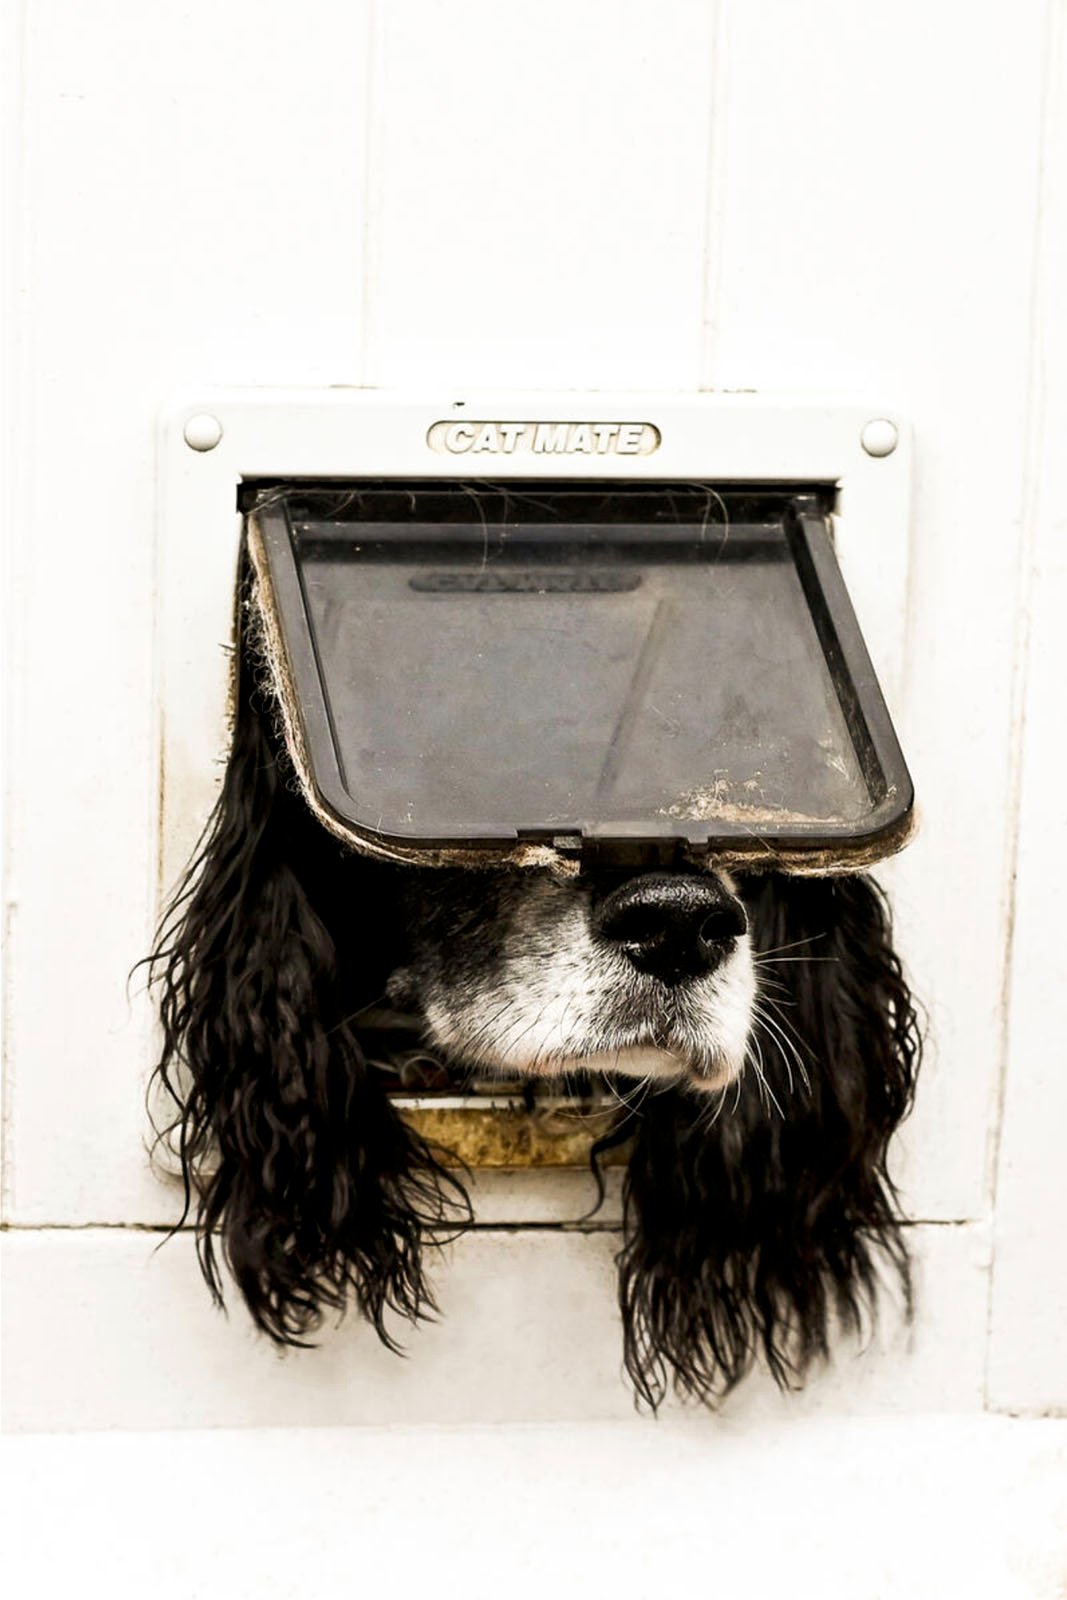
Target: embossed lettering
(459,437)
(483,437)
(510,433)
(550,436)
(605,435)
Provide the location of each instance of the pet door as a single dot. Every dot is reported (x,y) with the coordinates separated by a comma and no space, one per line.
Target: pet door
(474,670)
(600,626)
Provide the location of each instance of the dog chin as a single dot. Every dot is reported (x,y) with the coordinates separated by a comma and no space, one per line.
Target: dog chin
(651,1062)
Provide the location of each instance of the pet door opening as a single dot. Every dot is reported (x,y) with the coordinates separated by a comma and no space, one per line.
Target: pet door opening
(472,670)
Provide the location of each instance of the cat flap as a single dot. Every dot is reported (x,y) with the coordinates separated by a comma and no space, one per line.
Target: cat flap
(473,671)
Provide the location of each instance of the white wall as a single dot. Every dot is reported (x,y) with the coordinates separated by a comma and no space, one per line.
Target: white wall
(585,193)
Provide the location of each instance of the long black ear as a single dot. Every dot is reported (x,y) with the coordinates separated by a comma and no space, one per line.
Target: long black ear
(752,1228)
(299,1168)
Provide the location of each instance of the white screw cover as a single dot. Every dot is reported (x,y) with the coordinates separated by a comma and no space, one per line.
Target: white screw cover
(880,437)
(203,431)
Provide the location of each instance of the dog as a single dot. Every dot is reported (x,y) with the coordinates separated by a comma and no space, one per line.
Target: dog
(757,1030)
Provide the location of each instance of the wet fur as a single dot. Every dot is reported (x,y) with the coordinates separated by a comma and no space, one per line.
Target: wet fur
(757,1218)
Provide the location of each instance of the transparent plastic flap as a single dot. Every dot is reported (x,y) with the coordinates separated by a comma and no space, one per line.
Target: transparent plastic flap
(483,664)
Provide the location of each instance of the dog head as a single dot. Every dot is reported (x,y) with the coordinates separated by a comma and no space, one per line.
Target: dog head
(767,1018)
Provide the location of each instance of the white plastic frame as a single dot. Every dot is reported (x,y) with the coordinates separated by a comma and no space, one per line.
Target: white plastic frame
(343,433)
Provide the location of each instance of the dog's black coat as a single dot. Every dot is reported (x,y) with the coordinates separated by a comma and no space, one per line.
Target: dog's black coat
(747,1233)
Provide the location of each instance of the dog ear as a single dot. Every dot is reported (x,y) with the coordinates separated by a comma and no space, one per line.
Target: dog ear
(752,1227)
(301,1171)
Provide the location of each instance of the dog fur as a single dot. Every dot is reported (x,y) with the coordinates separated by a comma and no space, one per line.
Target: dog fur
(758,1210)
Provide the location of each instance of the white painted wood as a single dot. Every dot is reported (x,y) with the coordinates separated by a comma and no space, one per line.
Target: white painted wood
(875,225)
(190,217)
(1028,1348)
(561,1195)
(871,1507)
(103,1329)
(538,182)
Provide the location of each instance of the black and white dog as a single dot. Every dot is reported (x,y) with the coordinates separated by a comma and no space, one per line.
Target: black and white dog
(759,1031)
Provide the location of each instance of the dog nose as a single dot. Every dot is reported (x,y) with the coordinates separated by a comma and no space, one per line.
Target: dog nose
(669,925)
